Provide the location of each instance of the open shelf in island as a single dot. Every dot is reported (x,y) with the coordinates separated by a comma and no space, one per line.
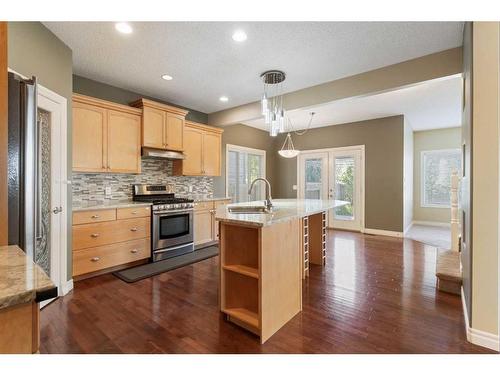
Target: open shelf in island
(261,269)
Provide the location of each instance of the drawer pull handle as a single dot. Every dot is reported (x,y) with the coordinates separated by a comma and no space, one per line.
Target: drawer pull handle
(95,259)
(133,229)
(95,217)
(134,212)
(94,235)
(133,251)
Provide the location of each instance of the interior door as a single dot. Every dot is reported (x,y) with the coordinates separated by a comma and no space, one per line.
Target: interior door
(346,185)
(313,175)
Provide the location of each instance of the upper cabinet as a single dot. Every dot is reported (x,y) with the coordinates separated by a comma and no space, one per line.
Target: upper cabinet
(202,151)
(162,125)
(106,136)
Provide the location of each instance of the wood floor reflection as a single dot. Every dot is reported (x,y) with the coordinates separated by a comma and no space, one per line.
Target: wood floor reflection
(376,295)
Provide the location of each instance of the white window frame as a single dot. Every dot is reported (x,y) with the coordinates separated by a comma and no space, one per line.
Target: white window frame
(422,177)
(255,151)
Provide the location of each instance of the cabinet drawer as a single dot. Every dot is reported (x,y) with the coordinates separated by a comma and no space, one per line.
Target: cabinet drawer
(92,235)
(94,216)
(98,258)
(133,212)
(199,206)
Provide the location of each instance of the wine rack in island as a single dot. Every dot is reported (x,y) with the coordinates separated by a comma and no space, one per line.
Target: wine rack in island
(261,269)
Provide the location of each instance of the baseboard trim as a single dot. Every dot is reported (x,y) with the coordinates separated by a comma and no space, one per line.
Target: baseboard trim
(66,287)
(431,223)
(475,336)
(381,232)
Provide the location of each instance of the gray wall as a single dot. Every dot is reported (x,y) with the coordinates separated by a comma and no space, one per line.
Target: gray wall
(86,86)
(247,136)
(383,140)
(34,50)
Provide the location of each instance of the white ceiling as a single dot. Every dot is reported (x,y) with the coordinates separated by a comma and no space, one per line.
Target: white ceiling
(430,105)
(206,63)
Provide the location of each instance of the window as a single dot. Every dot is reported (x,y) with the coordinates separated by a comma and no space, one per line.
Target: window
(437,166)
(243,165)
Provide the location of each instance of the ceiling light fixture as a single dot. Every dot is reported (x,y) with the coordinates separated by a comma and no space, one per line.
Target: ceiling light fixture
(166,77)
(239,36)
(288,150)
(223,98)
(123,27)
(272,101)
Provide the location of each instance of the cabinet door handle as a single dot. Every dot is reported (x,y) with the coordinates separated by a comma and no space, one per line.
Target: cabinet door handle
(95,217)
(94,235)
(133,229)
(95,259)
(133,251)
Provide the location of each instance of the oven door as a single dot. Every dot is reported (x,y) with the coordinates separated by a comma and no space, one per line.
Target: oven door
(172,228)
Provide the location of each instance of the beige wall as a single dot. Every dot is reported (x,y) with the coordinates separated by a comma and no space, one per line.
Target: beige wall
(247,136)
(34,50)
(485,176)
(437,139)
(383,140)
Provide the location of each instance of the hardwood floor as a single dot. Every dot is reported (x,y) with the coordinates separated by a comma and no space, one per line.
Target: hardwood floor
(376,295)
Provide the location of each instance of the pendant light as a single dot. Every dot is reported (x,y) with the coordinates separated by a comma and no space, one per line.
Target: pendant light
(272,101)
(287,150)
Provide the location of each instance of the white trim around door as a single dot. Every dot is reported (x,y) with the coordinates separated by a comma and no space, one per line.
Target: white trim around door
(327,186)
(56,105)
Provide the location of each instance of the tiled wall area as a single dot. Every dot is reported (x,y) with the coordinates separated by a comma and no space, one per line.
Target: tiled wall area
(90,186)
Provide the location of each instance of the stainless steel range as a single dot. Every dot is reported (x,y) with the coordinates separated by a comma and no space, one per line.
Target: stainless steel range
(171,220)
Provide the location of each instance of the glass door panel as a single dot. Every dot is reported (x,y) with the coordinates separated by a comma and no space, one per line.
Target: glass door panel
(313,176)
(344,186)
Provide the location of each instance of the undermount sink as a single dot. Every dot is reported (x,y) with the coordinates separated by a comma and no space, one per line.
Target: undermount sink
(249,209)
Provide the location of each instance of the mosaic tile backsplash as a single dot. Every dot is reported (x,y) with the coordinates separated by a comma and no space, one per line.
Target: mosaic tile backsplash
(90,186)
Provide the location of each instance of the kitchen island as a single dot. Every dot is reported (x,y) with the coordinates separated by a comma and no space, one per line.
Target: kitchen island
(265,256)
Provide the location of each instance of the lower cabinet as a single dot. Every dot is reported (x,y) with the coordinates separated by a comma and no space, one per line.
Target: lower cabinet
(206,228)
(124,237)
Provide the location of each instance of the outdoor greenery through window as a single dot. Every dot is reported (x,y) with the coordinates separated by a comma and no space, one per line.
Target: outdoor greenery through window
(437,166)
(243,166)
(344,186)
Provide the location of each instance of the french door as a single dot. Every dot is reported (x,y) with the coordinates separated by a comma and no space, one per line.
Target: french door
(338,174)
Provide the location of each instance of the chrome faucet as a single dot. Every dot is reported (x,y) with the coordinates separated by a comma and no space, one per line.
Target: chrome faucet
(268,203)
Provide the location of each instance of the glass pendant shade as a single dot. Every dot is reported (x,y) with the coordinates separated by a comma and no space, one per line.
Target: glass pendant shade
(288,150)
(264,104)
(272,101)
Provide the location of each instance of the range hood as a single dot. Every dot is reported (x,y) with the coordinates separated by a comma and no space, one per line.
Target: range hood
(161,154)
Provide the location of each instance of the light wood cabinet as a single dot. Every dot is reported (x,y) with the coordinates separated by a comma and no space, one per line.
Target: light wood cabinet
(107,239)
(162,125)
(202,151)
(206,228)
(106,136)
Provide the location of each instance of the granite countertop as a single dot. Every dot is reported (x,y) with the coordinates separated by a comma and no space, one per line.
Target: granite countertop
(102,205)
(283,210)
(203,198)
(20,278)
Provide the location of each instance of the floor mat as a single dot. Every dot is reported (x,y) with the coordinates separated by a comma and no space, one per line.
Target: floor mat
(133,274)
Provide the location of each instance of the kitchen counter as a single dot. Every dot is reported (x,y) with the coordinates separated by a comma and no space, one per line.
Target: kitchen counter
(21,280)
(102,205)
(204,198)
(283,210)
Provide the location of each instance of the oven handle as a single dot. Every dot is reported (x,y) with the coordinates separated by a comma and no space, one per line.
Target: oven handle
(169,212)
(172,248)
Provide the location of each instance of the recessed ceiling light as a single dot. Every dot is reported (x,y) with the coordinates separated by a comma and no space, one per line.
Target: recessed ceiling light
(123,27)
(223,98)
(166,77)
(239,36)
